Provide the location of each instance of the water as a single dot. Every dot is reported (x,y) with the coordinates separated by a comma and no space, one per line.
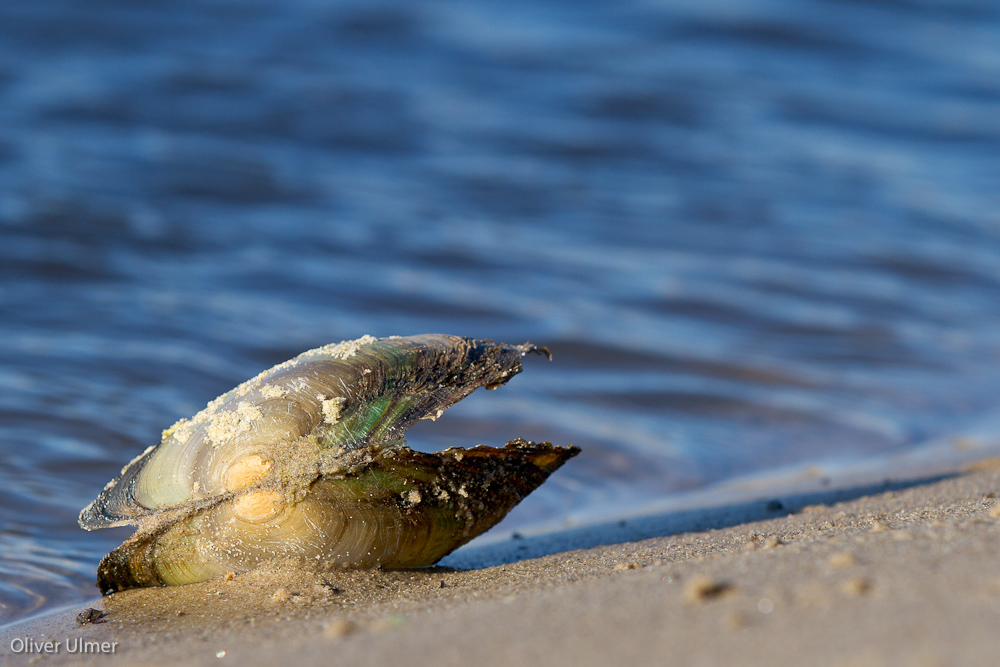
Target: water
(756,236)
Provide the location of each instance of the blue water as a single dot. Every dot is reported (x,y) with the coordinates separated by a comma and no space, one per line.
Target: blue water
(754,235)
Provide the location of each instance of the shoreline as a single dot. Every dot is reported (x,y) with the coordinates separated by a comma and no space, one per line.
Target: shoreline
(901,575)
(739,499)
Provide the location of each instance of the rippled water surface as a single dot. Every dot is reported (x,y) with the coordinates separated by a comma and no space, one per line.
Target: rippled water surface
(755,236)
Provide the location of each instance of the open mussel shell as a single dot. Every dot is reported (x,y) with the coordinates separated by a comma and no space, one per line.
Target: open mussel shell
(307,459)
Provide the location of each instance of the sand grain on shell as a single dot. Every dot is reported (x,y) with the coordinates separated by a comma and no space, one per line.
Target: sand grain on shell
(343,350)
(332,408)
(272,391)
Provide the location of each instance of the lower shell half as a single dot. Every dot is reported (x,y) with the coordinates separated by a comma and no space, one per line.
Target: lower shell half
(392,507)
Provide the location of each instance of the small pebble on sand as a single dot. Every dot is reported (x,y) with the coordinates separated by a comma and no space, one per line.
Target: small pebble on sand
(337,628)
(702,588)
(842,559)
(856,586)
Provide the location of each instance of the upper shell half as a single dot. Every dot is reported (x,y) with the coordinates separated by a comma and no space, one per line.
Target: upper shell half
(306,459)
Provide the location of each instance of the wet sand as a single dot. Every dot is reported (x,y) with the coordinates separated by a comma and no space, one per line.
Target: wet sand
(857,576)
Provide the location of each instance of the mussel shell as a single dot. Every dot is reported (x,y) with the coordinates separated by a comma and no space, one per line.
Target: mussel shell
(307,459)
(397,508)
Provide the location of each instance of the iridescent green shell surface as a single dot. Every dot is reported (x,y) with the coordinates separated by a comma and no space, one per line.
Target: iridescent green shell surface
(307,459)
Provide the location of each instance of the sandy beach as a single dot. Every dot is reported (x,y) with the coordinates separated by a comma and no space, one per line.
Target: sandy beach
(906,574)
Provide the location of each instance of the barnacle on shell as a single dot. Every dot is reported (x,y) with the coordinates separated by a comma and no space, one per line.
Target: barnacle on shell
(308,459)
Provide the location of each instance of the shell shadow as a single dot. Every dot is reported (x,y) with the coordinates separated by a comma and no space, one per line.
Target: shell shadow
(665,524)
